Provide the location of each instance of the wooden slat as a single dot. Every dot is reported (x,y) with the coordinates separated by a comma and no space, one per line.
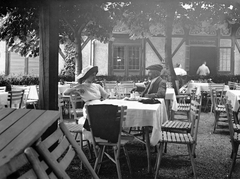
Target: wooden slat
(4,112)
(169,136)
(173,137)
(28,136)
(178,137)
(19,124)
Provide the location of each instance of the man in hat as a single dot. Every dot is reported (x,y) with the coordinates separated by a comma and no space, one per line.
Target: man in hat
(157,87)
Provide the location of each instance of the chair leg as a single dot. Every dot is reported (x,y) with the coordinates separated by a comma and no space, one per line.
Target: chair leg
(190,146)
(215,121)
(99,158)
(158,161)
(116,155)
(128,160)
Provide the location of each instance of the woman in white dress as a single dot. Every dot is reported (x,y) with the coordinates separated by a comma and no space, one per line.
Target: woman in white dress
(89,91)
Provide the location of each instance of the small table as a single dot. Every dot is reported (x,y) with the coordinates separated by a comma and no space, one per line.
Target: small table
(20,128)
(143,115)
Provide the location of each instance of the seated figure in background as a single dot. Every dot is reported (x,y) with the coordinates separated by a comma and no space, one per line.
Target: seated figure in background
(157,87)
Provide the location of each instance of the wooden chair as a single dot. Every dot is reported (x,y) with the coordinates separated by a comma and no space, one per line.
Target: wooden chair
(234,137)
(74,128)
(125,88)
(29,164)
(219,110)
(232,85)
(105,123)
(15,99)
(184,106)
(58,151)
(189,139)
(2,88)
(76,100)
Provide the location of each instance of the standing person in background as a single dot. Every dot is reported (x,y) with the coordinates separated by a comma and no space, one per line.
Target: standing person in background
(157,87)
(203,71)
(181,74)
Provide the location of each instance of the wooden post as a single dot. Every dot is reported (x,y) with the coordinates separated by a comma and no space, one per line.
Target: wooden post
(49,44)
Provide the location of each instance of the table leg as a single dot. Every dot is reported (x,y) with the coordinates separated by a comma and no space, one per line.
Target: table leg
(168,105)
(146,129)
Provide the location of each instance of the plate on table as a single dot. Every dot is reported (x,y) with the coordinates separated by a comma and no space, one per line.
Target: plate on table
(132,99)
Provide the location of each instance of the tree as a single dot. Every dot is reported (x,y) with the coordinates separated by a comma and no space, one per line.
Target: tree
(147,19)
(20,28)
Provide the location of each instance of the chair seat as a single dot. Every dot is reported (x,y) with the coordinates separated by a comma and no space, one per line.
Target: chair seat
(32,101)
(220,109)
(79,112)
(179,125)
(74,128)
(124,139)
(172,137)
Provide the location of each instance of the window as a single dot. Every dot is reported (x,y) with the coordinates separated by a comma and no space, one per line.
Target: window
(126,57)
(225,59)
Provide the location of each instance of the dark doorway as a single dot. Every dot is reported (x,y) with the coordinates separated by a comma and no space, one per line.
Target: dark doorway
(200,54)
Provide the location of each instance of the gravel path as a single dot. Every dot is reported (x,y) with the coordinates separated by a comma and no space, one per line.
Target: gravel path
(212,162)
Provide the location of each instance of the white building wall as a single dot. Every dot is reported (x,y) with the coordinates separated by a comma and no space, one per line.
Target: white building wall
(101,57)
(2,57)
(237,60)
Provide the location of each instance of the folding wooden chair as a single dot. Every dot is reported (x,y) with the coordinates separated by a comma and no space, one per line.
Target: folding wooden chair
(189,139)
(219,110)
(105,123)
(58,151)
(234,137)
(29,164)
(15,99)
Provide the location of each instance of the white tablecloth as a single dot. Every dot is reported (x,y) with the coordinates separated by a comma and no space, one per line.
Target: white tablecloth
(234,97)
(139,114)
(201,87)
(170,95)
(3,98)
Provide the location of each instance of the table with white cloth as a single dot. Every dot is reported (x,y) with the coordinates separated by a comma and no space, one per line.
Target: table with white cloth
(234,97)
(3,99)
(201,87)
(171,101)
(143,115)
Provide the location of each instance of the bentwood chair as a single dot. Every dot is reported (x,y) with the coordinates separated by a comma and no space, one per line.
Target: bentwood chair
(15,99)
(58,151)
(105,123)
(189,139)
(234,137)
(29,164)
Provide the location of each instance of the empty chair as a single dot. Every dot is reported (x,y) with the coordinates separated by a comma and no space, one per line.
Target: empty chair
(59,149)
(2,88)
(234,137)
(232,85)
(15,99)
(189,139)
(29,158)
(105,123)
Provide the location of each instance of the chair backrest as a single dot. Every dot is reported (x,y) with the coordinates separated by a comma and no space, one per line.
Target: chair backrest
(15,98)
(110,85)
(2,88)
(230,120)
(232,85)
(60,106)
(195,118)
(29,164)
(59,149)
(105,121)
(75,99)
(125,87)
(216,100)
(237,87)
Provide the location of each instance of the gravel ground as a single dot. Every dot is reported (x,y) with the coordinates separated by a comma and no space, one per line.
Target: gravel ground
(212,161)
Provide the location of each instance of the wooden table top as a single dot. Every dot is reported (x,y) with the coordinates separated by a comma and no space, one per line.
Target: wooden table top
(20,128)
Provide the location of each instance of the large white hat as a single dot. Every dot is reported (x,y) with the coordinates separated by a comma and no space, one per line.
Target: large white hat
(86,72)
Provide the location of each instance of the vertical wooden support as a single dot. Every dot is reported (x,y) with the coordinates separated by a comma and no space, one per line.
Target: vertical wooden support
(49,44)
